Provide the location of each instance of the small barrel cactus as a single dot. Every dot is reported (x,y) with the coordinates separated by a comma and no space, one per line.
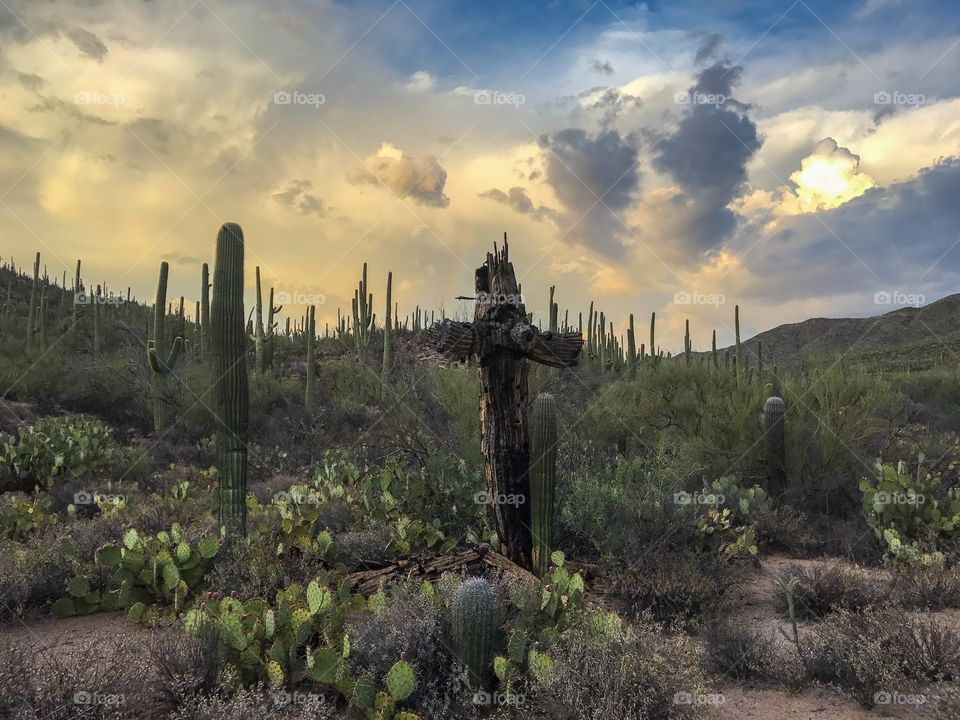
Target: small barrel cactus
(473,611)
(543,479)
(775,445)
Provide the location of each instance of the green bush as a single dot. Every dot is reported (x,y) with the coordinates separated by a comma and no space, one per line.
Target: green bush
(53,448)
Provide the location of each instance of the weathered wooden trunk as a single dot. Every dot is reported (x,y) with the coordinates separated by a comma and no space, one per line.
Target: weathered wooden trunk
(501,337)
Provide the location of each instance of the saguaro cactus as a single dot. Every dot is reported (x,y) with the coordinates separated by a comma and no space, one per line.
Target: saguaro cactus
(231,398)
(543,479)
(631,348)
(271,332)
(160,368)
(362,313)
(34,304)
(311,387)
(687,346)
(258,336)
(775,446)
(736,326)
(653,330)
(387,335)
(473,621)
(205,310)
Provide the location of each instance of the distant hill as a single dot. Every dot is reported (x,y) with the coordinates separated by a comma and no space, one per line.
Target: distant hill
(907,337)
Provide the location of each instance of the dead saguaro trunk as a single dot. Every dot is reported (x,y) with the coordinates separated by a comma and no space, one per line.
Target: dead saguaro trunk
(502,339)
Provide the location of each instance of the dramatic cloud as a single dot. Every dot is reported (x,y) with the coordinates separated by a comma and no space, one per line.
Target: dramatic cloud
(88,43)
(518,200)
(709,47)
(594,178)
(299,195)
(707,156)
(829,176)
(420,179)
(603,107)
(602,68)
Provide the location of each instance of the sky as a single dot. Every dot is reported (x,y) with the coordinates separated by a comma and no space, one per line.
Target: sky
(798,158)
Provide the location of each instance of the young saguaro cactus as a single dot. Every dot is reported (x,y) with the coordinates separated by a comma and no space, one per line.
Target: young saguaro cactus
(34,304)
(160,367)
(230,390)
(205,310)
(473,621)
(258,338)
(773,421)
(543,479)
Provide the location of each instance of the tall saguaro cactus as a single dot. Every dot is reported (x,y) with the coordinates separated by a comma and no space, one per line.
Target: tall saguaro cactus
(258,336)
(362,313)
(653,331)
(311,387)
(736,325)
(34,304)
(230,392)
(543,479)
(387,335)
(205,310)
(160,367)
(631,348)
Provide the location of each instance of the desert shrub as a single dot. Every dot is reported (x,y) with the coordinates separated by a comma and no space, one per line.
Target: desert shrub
(616,677)
(96,683)
(948,706)
(21,516)
(680,589)
(54,448)
(929,588)
(257,703)
(185,669)
(412,624)
(820,590)
(251,568)
(741,652)
(364,546)
(880,651)
(30,577)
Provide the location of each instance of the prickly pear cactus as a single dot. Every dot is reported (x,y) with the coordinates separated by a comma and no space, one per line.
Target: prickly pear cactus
(473,611)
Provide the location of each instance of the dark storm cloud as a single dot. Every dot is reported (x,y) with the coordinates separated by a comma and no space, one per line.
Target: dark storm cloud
(87,43)
(708,49)
(903,237)
(595,178)
(602,68)
(299,196)
(707,155)
(518,200)
(603,110)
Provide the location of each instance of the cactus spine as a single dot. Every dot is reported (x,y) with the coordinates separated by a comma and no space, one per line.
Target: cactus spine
(160,368)
(310,391)
(473,621)
(775,446)
(231,400)
(387,334)
(543,479)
